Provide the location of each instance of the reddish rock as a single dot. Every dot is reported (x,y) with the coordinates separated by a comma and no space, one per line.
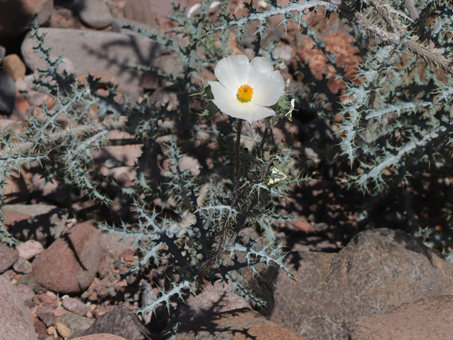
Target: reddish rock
(70,264)
(8,256)
(430,318)
(15,320)
(237,325)
(217,313)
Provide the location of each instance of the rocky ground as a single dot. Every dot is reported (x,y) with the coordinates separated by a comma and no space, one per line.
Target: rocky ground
(67,280)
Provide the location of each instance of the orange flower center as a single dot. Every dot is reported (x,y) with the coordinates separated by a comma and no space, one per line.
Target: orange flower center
(245,93)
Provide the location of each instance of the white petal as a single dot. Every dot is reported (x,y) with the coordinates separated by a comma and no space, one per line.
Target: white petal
(220,92)
(261,64)
(268,85)
(247,111)
(233,71)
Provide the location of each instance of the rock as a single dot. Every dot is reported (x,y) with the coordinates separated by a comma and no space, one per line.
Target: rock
(429,318)
(364,278)
(64,18)
(104,79)
(121,322)
(27,295)
(217,313)
(119,23)
(92,51)
(7,92)
(100,337)
(17,15)
(46,315)
(15,320)
(2,54)
(29,281)
(29,249)
(237,325)
(22,266)
(14,66)
(132,92)
(8,256)
(63,330)
(94,13)
(76,323)
(75,305)
(70,264)
(214,299)
(39,222)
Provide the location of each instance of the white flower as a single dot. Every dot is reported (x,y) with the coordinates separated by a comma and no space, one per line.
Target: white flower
(246,89)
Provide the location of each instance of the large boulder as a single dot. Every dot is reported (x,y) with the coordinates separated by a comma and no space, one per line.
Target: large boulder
(94,51)
(377,272)
(15,320)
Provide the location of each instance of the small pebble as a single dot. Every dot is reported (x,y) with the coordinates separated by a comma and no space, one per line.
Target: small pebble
(51,330)
(22,266)
(75,306)
(29,249)
(63,330)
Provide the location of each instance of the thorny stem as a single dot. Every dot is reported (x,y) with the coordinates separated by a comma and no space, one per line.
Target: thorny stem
(394,35)
(237,171)
(58,137)
(225,233)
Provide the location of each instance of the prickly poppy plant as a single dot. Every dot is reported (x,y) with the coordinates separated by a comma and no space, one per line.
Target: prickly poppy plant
(393,124)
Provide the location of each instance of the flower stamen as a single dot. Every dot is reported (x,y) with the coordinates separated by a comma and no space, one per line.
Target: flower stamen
(245,93)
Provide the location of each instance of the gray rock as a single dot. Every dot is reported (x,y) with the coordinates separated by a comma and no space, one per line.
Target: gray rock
(122,322)
(22,266)
(94,13)
(378,271)
(46,315)
(15,320)
(8,256)
(93,51)
(2,54)
(39,222)
(76,323)
(7,92)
